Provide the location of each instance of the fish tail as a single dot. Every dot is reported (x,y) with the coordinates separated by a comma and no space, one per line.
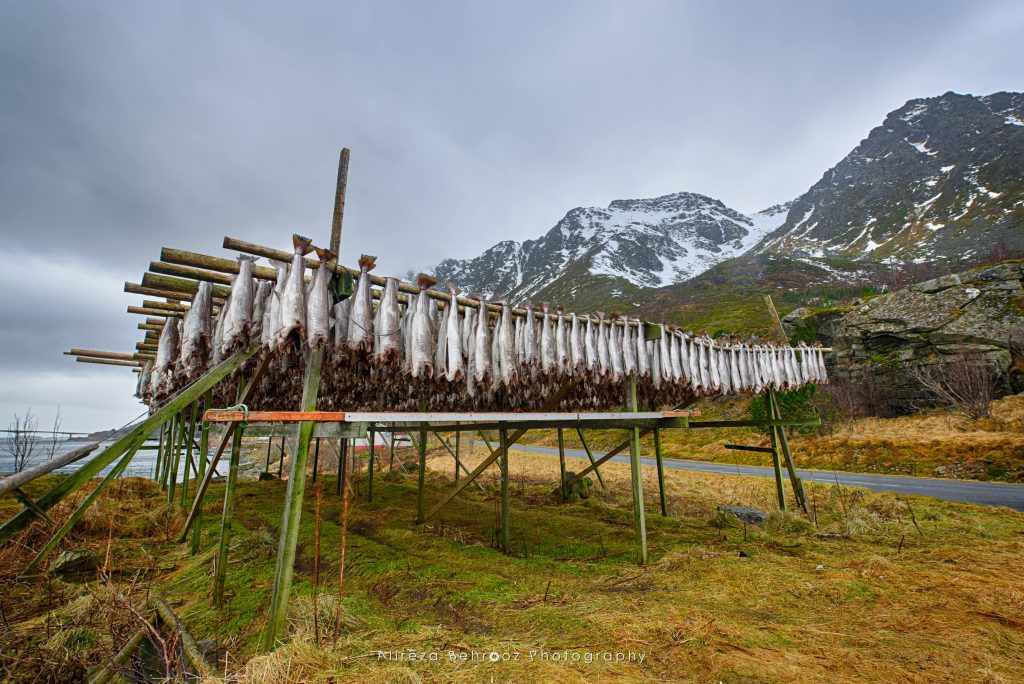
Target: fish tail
(325,255)
(247,257)
(302,245)
(453,288)
(367,262)
(425,282)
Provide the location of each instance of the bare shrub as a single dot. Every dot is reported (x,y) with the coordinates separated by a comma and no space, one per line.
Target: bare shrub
(24,441)
(966,384)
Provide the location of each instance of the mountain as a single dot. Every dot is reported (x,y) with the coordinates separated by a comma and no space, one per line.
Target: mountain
(614,253)
(939,183)
(941,178)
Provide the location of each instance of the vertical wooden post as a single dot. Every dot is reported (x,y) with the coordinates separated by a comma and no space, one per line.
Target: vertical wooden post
(176,461)
(188,453)
(661,470)
(780,488)
(159,453)
(391,449)
(458,464)
(505,517)
(292,516)
(204,445)
(798,484)
(369,472)
(280,462)
(561,462)
(342,464)
(316,458)
(270,447)
(339,201)
(221,568)
(168,449)
(636,474)
(422,448)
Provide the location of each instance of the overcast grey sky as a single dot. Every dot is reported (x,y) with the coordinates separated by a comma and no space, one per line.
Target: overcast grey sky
(127,126)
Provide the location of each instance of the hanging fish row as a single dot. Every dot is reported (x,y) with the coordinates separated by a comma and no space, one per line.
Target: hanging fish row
(404,353)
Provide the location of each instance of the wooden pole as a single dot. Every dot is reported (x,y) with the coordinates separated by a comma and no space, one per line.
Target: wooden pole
(636,475)
(798,484)
(159,455)
(278,620)
(458,439)
(221,568)
(172,430)
(204,445)
(661,470)
(780,332)
(780,487)
(280,461)
(391,450)
(316,458)
(176,462)
(422,482)
(339,201)
(590,455)
(561,463)
(505,522)
(369,473)
(80,511)
(342,464)
(12,482)
(188,454)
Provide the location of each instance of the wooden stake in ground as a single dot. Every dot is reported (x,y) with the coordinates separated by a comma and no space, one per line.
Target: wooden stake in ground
(292,516)
(636,475)
(197,502)
(341,564)
(661,470)
(505,518)
(221,569)
(561,463)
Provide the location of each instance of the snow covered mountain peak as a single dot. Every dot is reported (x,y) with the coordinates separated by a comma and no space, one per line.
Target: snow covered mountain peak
(647,242)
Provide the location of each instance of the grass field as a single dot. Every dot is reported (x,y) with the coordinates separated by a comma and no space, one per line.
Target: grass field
(869,587)
(928,445)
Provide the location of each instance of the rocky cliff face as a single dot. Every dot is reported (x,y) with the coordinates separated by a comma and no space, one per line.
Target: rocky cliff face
(941,178)
(880,342)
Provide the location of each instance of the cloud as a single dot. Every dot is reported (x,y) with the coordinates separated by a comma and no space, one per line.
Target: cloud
(127,127)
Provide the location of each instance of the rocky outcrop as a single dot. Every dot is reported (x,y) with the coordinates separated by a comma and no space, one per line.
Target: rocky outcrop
(879,343)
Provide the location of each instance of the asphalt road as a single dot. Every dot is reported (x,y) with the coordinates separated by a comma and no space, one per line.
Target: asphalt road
(966,491)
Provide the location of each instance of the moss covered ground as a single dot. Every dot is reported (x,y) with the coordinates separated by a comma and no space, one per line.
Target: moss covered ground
(867,587)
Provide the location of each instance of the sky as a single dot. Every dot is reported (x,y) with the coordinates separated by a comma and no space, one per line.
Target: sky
(127,126)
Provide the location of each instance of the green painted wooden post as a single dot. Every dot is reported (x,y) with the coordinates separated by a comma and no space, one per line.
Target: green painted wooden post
(204,445)
(636,475)
(278,620)
(661,470)
(176,461)
(159,453)
(172,426)
(118,448)
(505,521)
(422,483)
(188,454)
(561,461)
(458,464)
(590,455)
(798,484)
(780,488)
(221,568)
(80,511)
(369,474)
